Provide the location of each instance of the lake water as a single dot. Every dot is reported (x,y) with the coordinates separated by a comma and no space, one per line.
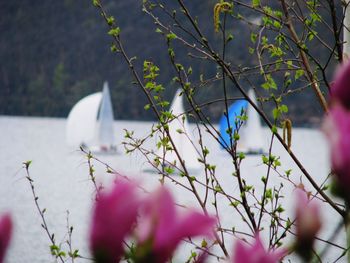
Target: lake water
(62,182)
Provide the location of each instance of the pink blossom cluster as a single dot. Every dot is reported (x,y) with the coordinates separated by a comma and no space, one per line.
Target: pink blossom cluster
(158,231)
(337,128)
(156,228)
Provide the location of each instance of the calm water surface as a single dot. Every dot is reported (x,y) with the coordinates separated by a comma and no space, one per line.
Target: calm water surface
(62,183)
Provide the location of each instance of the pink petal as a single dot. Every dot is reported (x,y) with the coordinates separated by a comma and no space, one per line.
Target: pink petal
(113,217)
(308,222)
(158,212)
(241,254)
(340,90)
(256,253)
(5,234)
(166,213)
(192,225)
(161,224)
(337,128)
(195,224)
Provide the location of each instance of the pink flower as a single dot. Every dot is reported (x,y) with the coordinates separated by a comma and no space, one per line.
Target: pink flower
(256,253)
(113,217)
(164,229)
(308,223)
(340,90)
(5,234)
(337,128)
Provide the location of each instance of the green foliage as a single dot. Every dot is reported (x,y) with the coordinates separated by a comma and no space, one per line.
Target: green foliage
(74,254)
(299,73)
(56,251)
(171,36)
(268,194)
(279,110)
(110,20)
(269,83)
(255,3)
(96,3)
(253,37)
(114,32)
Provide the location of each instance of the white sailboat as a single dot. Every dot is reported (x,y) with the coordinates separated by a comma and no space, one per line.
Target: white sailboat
(251,133)
(90,123)
(182,137)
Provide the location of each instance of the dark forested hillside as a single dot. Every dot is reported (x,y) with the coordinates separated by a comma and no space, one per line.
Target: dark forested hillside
(54,52)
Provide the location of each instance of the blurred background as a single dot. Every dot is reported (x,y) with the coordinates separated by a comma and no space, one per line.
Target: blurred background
(53,53)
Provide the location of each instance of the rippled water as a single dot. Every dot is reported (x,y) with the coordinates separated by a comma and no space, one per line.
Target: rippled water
(62,183)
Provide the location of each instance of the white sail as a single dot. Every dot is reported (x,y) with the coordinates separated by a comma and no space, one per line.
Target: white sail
(106,134)
(90,123)
(182,140)
(252,140)
(81,121)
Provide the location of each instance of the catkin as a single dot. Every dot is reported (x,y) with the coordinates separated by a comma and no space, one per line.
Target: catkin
(287,132)
(219,8)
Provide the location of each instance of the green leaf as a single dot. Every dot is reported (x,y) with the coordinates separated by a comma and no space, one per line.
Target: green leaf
(234,204)
(253,37)
(289,64)
(205,151)
(229,38)
(236,136)
(311,35)
(277,24)
(299,73)
(270,83)
(280,209)
(169,170)
(189,71)
(268,193)
(284,108)
(274,129)
(114,48)
(276,113)
(179,131)
(288,172)
(96,3)
(276,163)
(171,36)
(179,66)
(241,155)
(114,32)
(110,20)
(265,159)
(255,3)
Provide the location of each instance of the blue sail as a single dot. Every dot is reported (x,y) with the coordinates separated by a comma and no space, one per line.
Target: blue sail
(234,111)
